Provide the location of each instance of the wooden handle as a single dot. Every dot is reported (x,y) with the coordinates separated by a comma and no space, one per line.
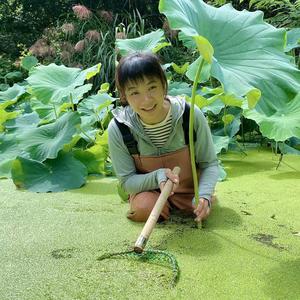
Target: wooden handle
(155,213)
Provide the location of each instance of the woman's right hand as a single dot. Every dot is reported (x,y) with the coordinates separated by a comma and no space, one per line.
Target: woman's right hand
(174,178)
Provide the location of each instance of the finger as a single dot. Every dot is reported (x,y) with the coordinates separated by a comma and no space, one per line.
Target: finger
(161,185)
(173,177)
(200,207)
(204,214)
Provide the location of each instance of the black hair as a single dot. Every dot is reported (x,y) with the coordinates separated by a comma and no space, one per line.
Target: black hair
(135,67)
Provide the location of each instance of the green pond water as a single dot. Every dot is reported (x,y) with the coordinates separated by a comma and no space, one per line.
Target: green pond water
(249,248)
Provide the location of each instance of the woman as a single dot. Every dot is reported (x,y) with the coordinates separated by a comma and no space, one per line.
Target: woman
(148,138)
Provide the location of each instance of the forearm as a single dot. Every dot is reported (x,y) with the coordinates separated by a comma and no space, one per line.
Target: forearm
(208,180)
(137,183)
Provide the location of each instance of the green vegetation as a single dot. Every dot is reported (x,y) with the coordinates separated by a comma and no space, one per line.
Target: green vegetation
(50,243)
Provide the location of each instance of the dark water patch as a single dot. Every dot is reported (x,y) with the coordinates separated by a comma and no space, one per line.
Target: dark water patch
(63,253)
(267,239)
(244,212)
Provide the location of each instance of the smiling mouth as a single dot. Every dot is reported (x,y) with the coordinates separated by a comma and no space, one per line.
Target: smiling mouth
(150,109)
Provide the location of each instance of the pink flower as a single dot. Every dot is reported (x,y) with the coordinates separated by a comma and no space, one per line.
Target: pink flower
(41,49)
(65,56)
(106,15)
(79,47)
(68,29)
(82,12)
(92,35)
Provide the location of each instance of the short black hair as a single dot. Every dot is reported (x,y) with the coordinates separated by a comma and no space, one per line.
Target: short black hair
(135,67)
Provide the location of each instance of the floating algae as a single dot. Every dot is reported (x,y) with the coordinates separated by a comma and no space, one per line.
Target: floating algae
(157,256)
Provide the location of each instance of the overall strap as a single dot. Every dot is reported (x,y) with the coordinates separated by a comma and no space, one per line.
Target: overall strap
(128,138)
(186,123)
(131,143)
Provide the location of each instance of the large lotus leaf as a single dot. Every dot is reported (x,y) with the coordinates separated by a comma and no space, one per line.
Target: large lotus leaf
(147,42)
(293,39)
(4,116)
(93,158)
(23,122)
(53,83)
(286,149)
(54,175)
(281,125)
(12,94)
(179,88)
(95,103)
(29,62)
(248,53)
(9,150)
(205,72)
(45,141)
(220,142)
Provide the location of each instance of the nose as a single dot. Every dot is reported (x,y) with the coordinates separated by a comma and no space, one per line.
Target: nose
(147,96)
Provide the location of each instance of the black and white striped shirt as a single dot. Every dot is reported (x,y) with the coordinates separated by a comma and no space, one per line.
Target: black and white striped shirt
(159,133)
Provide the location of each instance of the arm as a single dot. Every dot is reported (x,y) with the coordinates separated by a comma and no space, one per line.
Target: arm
(124,166)
(206,157)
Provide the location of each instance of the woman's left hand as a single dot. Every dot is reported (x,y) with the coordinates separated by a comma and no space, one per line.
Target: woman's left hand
(202,211)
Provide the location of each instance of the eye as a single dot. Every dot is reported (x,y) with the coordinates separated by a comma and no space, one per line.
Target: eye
(134,93)
(152,87)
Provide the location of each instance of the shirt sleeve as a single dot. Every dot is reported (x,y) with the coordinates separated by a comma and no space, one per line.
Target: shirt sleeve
(124,167)
(205,156)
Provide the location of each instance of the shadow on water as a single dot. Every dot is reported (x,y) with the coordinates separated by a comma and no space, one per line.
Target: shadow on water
(236,168)
(223,218)
(282,281)
(286,175)
(98,186)
(184,236)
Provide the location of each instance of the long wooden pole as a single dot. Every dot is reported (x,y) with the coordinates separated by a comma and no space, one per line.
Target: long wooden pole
(155,213)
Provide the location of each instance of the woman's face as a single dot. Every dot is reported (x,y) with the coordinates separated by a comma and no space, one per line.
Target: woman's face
(146,97)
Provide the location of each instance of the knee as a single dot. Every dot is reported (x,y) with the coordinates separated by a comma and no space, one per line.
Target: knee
(141,206)
(138,215)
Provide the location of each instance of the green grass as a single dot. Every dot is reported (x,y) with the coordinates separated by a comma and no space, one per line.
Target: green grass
(249,248)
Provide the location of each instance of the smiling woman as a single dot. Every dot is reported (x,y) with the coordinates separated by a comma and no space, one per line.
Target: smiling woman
(147,138)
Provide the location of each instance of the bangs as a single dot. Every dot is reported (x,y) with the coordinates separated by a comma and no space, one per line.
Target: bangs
(136,70)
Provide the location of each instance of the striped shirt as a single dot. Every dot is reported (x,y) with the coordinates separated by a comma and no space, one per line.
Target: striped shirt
(159,133)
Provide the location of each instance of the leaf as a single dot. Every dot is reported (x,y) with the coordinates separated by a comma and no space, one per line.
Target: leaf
(14,76)
(145,43)
(179,88)
(160,46)
(227,119)
(180,69)
(252,97)
(28,62)
(282,124)
(12,94)
(220,142)
(95,104)
(104,88)
(53,83)
(293,38)
(248,53)
(205,48)
(231,100)
(205,72)
(91,72)
(93,158)
(286,149)
(54,175)
(9,150)
(4,116)
(29,120)
(47,140)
